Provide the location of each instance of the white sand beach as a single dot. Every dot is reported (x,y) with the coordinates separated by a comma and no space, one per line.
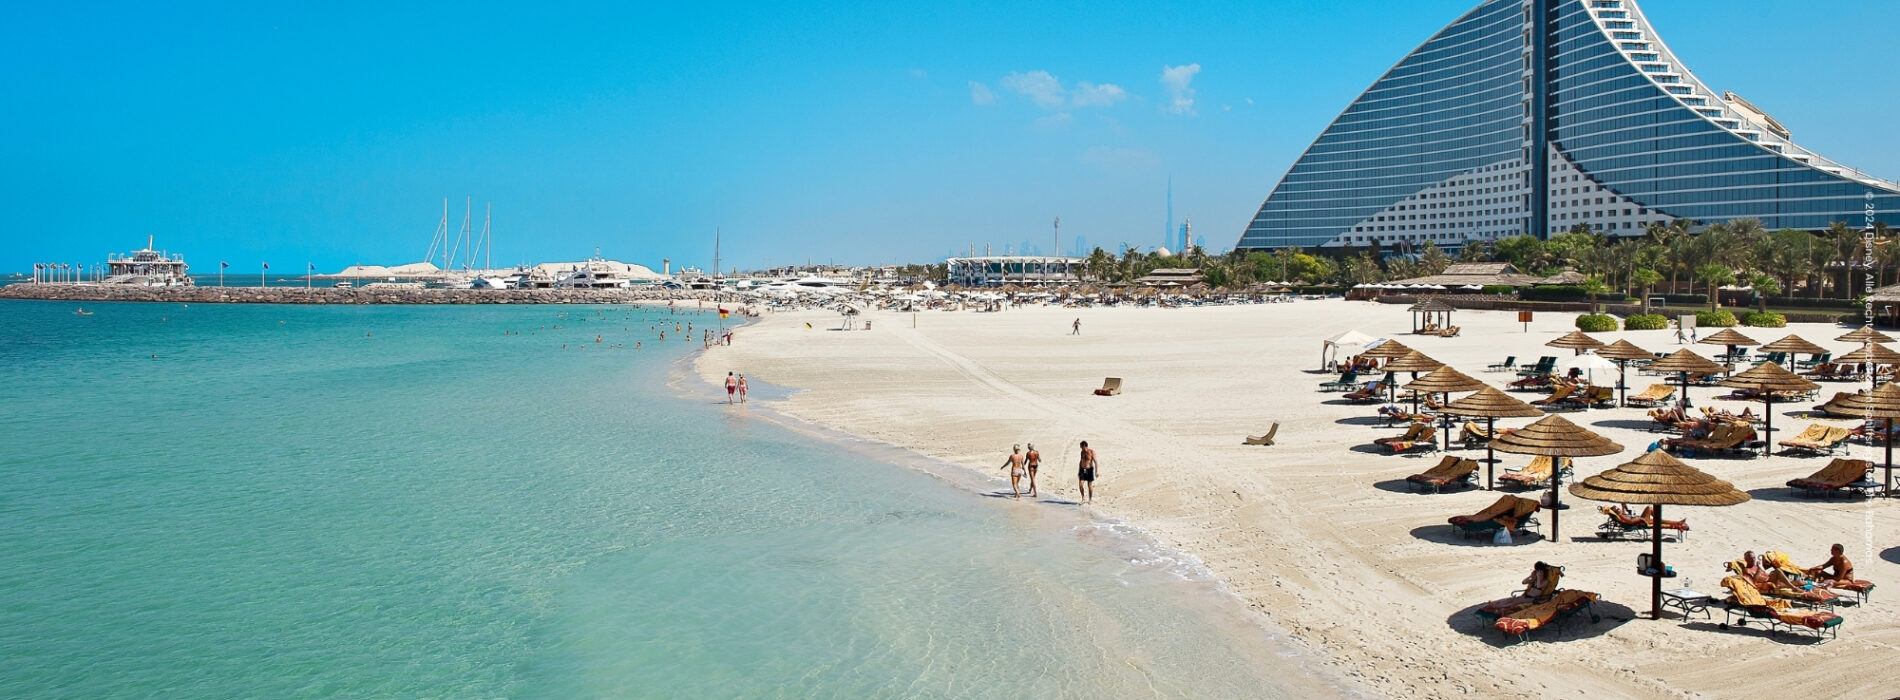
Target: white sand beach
(1319,532)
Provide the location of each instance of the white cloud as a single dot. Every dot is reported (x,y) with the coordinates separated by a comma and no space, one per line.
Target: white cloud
(1177,81)
(1088,94)
(981,94)
(1038,85)
(1055,122)
(1249,100)
(919,74)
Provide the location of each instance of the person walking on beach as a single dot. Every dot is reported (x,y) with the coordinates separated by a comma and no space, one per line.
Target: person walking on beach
(732,385)
(1031,460)
(741,388)
(1679,336)
(1076,328)
(1085,473)
(1015,466)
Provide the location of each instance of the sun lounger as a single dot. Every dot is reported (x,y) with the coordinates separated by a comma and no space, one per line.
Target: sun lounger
(1509,364)
(1347,381)
(1745,604)
(1449,332)
(1655,394)
(1602,396)
(1372,391)
(1617,526)
(1832,478)
(1266,439)
(1508,512)
(1451,471)
(1537,473)
(1818,439)
(1544,366)
(1111,386)
(1474,435)
(1425,440)
(1563,604)
(1801,593)
(1817,360)
(1862,589)
(1725,439)
(1522,599)
(1562,392)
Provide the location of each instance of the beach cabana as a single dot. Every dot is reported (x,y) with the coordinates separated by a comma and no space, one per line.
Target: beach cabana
(1490,404)
(1657,479)
(1730,339)
(1684,362)
(1576,340)
(1430,312)
(1445,380)
(1623,352)
(1793,345)
(1555,436)
(1766,379)
(1882,403)
(1413,362)
(1331,347)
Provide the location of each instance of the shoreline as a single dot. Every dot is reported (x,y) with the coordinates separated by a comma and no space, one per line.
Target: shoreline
(1308,532)
(342,296)
(1318,671)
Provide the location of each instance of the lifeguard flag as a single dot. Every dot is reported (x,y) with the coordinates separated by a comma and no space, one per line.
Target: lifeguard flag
(723,313)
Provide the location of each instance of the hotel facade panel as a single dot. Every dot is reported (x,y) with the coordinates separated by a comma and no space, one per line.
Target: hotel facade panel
(1535,116)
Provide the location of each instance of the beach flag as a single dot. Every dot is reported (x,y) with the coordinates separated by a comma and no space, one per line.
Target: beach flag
(723,313)
(222,264)
(266,266)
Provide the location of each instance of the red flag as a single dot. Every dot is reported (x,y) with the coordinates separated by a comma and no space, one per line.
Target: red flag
(723,313)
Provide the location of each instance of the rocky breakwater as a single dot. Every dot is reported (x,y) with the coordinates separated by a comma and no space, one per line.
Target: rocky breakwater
(330,295)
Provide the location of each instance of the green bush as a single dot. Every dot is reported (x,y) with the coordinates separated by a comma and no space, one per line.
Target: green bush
(1645,322)
(1566,292)
(1764,319)
(1596,323)
(1715,319)
(1504,289)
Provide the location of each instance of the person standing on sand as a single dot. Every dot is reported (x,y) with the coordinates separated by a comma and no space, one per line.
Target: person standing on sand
(1031,460)
(1085,473)
(741,388)
(1015,465)
(732,385)
(1076,328)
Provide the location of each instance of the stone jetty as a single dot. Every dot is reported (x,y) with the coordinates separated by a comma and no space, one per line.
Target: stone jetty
(331,295)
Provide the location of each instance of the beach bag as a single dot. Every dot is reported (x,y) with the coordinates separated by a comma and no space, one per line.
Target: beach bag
(1502,536)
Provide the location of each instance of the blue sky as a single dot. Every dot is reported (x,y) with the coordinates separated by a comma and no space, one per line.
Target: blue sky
(872,133)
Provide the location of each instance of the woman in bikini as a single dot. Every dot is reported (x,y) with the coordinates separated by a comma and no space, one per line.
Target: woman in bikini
(1015,466)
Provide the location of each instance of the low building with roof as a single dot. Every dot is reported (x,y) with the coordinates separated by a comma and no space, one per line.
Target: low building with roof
(1476,274)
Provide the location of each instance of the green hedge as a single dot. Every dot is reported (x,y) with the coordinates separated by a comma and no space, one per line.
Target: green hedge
(1645,322)
(1504,289)
(1715,319)
(1566,292)
(1685,299)
(1596,323)
(1764,319)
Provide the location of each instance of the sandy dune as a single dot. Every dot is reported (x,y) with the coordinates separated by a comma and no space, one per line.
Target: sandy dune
(1313,532)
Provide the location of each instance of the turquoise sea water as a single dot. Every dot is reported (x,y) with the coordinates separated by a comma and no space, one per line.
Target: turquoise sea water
(399,501)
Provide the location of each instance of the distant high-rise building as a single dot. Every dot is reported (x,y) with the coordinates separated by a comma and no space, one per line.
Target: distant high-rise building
(1539,116)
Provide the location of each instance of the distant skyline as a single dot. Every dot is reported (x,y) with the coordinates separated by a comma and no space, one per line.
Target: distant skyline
(855,134)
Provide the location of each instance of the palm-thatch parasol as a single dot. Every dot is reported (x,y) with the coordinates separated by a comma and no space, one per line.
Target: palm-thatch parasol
(1872,354)
(1865,334)
(1685,361)
(1444,380)
(1657,479)
(1793,345)
(1623,352)
(1413,362)
(1490,404)
(1730,339)
(1576,340)
(1766,379)
(1884,403)
(1555,436)
(1390,349)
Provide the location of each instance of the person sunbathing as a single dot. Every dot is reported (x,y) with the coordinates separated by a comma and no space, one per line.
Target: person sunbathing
(1541,583)
(1835,571)
(1763,576)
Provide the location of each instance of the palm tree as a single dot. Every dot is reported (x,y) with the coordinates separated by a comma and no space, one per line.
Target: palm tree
(1594,286)
(1716,275)
(1646,278)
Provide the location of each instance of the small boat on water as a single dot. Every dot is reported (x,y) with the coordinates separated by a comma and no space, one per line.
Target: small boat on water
(81,311)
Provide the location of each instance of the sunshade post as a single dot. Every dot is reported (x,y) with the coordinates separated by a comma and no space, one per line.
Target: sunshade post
(1655,554)
(1556,505)
(1887,438)
(1685,388)
(1491,457)
(1768,422)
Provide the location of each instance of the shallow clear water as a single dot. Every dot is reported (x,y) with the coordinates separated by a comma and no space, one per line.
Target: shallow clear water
(400,501)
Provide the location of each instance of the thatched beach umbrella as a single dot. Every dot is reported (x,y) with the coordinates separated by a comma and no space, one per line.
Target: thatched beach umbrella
(1490,404)
(1413,362)
(1387,350)
(1445,380)
(1683,362)
(1766,379)
(1865,334)
(1576,340)
(1623,352)
(1884,403)
(1873,355)
(1555,436)
(1794,345)
(1730,339)
(1657,479)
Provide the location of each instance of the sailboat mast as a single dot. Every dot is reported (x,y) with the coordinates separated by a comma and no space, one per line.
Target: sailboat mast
(715,252)
(488,243)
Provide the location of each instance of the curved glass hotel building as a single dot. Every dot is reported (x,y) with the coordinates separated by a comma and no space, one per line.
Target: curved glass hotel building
(1535,116)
